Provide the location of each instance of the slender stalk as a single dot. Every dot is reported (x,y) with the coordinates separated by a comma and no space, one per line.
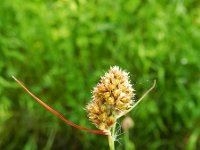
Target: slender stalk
(126,140)
(134,105)
(56,113)
(129,144)
(111,139)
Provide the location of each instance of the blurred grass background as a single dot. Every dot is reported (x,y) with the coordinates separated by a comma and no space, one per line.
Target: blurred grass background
(60,48)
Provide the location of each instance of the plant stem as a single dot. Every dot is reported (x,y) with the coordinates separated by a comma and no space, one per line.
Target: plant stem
(134,105)
(129,144)
(111,139)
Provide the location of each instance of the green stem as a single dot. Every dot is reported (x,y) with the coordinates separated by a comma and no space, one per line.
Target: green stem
(129,144)
(126,140)
(111,139)
(134,105)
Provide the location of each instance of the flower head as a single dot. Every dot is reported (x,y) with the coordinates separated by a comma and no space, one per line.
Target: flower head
(111,97)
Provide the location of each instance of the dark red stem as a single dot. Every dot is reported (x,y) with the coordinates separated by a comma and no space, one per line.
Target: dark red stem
(56,113)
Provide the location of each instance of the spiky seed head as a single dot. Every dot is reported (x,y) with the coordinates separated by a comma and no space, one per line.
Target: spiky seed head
(111,97)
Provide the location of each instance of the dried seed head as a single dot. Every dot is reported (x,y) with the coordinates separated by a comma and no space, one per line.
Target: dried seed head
(111,98)
(127,123)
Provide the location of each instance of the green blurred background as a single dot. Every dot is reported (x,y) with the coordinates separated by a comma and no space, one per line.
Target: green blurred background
(60,48)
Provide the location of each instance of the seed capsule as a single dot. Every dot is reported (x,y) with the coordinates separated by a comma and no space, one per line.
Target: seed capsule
(111,101)
(103,117)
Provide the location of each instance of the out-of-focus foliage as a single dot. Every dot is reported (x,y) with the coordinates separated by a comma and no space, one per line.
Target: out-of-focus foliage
(60,48)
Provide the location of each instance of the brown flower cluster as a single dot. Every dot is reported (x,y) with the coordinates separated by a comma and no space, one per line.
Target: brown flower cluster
(111,98)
